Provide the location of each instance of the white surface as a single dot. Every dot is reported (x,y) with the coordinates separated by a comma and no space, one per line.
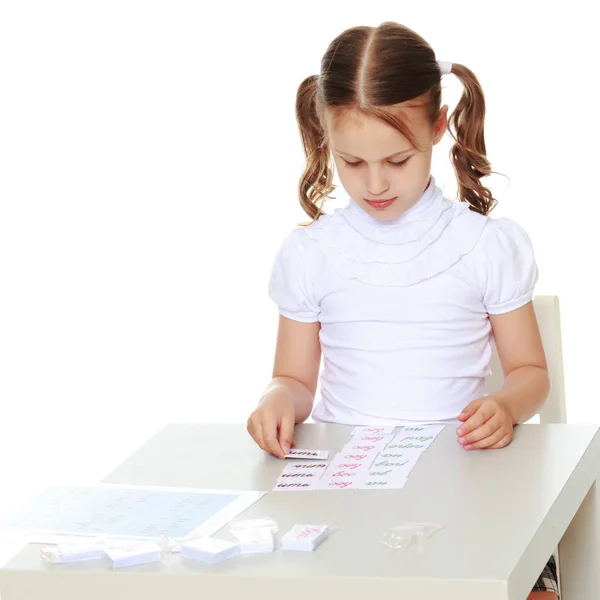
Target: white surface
(562,463)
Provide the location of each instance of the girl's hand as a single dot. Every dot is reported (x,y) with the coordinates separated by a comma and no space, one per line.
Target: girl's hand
(271,425)
(487,423)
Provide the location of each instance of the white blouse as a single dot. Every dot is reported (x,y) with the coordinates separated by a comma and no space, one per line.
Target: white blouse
(403,305)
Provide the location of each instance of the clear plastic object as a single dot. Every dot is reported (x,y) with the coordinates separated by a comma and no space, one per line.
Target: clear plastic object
(402,536)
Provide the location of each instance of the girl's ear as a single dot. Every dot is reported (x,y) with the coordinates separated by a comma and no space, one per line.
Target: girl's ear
(441,125)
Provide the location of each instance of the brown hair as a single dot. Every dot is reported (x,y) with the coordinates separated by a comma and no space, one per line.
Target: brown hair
(378,72)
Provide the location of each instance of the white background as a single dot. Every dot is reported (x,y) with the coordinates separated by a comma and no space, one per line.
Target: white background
(149,162)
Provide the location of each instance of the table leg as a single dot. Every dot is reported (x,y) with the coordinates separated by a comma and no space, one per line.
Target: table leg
(579,551)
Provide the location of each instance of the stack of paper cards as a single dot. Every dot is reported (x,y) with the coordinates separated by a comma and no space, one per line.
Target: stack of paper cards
(304,537)
(258,541)
(76,551)
(254,534)
(136,553)
(209,550)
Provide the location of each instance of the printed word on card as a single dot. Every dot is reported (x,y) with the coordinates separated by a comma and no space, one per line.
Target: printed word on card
(372,430)
(307,454)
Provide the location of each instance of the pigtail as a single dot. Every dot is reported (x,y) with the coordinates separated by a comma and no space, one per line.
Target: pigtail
(316,182)
(468,153)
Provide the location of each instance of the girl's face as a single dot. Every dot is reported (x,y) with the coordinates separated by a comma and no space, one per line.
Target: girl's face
(375,162)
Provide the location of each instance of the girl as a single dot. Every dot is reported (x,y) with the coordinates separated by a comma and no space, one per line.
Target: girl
(402,291)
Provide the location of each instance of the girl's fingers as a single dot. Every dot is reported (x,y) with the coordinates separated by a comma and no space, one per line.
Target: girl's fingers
(255,430)
(286,432)
(505,441)
(487,429)
(475,421)
(487,442)
(269,427)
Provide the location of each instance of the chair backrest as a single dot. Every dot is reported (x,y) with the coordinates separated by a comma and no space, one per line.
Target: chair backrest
(547,311)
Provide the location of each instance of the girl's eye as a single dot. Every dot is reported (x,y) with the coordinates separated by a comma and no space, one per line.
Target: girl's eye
(393,164)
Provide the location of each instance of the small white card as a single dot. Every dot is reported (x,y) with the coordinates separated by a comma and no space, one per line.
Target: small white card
(408,439)
(363,447)
(392,467)
(340,461)
(293,486)
(338,484)
(334,475)
(374,482)
(372,430)
(300,476)
(307,454)
(373,438)
(305,467)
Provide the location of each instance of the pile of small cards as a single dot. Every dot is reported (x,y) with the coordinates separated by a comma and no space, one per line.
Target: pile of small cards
(120,553)
(255,534)
(304,537)
(209,550)
(374,458)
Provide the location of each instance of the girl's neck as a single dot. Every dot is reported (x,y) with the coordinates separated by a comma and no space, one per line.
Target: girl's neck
(411,213)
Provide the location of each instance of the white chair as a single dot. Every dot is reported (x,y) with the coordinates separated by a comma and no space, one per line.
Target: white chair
(547,311)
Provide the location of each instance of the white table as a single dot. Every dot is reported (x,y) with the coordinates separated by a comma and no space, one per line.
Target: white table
(504,512)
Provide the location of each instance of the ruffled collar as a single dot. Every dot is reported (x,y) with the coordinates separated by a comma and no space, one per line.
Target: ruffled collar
(420,219)
(424,241)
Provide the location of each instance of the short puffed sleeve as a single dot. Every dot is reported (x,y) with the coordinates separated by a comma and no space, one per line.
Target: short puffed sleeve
(508,271)
(290,285)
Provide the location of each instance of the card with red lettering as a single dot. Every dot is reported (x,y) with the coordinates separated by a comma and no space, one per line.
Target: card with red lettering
(372,430)
(335,473)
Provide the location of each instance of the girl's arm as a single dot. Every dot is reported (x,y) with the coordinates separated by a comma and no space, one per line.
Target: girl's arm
(297,362)
(289,397)
(488,422)
(527,384)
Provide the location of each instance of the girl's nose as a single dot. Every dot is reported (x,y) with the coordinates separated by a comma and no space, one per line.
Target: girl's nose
(377,185)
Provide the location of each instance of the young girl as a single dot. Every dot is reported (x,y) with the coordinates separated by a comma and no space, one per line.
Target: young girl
(402,291)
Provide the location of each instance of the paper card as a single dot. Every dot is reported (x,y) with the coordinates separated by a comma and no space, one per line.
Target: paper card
(381,438)
(382,483)
(305,467)
(391,468)
(410,454)
(307,454)
(339,462)
(341,474)
(372,430)
(338,484)
(300,476)
(293,486)
(414,438)
(423,427)
(360,447)
(355,455)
